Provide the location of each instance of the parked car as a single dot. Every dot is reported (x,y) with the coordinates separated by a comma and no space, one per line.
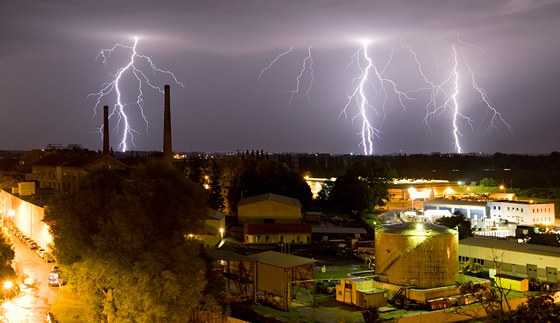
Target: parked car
(33,245)
(54,277)
(41,252)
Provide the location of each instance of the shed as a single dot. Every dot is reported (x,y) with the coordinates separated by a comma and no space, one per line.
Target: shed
(520,284)
(281,276)
(360,292)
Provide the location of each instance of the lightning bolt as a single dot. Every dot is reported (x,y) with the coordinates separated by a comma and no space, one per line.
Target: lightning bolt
(447,92)
(359,96)
(274,61)
(307,65)
(132,67)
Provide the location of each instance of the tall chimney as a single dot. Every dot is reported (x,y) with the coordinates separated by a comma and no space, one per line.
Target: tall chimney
(106,130)
(167,151)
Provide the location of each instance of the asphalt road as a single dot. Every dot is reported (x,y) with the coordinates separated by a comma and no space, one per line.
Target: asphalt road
(36,297)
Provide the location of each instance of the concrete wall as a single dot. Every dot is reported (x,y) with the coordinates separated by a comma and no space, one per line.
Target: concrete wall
(27,217)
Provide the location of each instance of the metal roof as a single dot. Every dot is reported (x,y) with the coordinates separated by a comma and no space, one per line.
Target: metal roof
(281,260)
(511,245)
(269,196)
(454,202)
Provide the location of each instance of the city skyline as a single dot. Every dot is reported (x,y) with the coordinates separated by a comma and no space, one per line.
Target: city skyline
(278,75)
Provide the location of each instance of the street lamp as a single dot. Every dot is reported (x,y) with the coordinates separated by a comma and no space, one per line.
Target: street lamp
(8,284)
(222,230)
(503,188)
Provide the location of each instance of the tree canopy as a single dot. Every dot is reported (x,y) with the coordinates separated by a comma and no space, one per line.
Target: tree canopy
(120,238)
(266,176)
(363,187)
(457,221)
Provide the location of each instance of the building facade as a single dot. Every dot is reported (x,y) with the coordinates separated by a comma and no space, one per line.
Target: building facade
(510,257)
(269,208)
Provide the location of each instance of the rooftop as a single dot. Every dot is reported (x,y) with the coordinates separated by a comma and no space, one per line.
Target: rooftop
(271,197)
(511,245)
(282,260)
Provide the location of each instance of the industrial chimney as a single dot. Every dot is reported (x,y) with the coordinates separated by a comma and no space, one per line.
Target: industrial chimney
(167,151)
(106,130)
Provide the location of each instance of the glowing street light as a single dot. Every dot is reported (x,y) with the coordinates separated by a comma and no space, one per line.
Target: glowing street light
(222,231)
(8,284)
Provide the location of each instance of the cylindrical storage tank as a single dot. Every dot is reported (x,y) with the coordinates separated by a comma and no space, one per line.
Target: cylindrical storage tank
(415,254)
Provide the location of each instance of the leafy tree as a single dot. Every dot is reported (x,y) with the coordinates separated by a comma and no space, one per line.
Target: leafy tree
(540,308)
(266,176)
(120,240)
(350,194)
(487,182)
(6,270)
(363,187)
(325,192)
(215,198)
(493,300)
(377,175)
(457,220)
(195,170)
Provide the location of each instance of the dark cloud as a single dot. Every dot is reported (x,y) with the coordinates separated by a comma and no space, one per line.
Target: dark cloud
(218,49)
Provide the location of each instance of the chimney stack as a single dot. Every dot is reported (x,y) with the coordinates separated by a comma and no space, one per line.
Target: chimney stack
(106,130)
(167,151)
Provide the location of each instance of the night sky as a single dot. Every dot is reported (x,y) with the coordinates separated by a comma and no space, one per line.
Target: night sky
(218,50)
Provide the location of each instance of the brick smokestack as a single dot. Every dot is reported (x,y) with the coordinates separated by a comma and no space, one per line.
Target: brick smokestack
(106,130)
(167,151)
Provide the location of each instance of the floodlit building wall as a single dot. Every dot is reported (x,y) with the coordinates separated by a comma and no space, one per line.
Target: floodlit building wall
(520,285)
(269,211)
(476,213)
(27,218)
(360,292)
(275,238)
(522,213)
(517,262)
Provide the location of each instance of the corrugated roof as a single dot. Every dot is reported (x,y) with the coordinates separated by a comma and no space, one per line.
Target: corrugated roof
(269,196)
(454,202)
(413,228)
(281,260)
(511,246)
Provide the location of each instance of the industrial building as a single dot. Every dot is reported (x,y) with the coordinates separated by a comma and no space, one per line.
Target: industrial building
(270,277)
(269,208)
(511,257)
(415,262)
(474,211)
(494,218)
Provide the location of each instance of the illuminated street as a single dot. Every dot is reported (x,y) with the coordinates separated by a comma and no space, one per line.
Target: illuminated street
(36,297)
